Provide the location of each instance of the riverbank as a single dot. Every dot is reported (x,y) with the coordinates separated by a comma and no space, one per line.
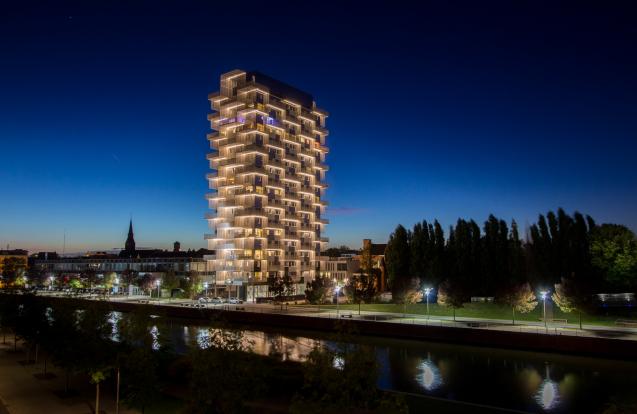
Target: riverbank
(540,341)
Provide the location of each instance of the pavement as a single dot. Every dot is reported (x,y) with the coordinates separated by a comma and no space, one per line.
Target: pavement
(537,327)
(22,393)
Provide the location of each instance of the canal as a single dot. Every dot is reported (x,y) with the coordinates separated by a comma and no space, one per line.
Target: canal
(516,380)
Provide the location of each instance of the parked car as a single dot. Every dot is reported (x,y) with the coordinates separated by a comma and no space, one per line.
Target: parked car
(235,301)
(216,301)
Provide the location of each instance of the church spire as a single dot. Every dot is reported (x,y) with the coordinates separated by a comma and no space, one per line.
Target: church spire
(130,240)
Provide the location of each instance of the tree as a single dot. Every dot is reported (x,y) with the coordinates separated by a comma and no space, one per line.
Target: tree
(614,254)
(129,277)
(66,340)
(419,255)
(13,270)
(89,275)
(361,288)
(191,284)
(280,287)
(170,281)
(519,297)
(452,294)
(569,296)
(95,355)
(397,261)
(560,247)
(140,370)
(318,290)
(97,376)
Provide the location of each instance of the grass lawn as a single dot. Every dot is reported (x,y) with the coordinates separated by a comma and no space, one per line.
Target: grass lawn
(483,310)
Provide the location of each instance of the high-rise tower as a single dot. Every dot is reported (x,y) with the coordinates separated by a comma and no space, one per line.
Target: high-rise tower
(268,165)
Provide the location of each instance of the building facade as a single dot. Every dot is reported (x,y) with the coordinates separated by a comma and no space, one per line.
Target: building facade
(268,162)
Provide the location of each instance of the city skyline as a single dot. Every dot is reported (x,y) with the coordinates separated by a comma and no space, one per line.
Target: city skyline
(495,117)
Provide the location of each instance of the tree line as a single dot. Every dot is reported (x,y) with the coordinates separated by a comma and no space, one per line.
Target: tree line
(571,251)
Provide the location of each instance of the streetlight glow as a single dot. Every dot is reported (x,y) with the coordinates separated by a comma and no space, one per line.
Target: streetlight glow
(428,290)
(543,295)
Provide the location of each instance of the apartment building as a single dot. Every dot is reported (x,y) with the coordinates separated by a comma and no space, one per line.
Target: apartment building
(268,176)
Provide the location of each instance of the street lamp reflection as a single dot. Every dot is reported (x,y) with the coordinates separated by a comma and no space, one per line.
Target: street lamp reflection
(548,396)
(429,375)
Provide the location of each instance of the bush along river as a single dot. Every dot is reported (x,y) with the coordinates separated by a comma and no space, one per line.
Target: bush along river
(514,380)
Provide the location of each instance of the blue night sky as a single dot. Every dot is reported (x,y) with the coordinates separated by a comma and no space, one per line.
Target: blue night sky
(435,112)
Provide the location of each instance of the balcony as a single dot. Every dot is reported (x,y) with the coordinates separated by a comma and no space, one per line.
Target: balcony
(275,225)
(307,152)
(322,221)
(224,141)
(252,128)
(252,149)
(274,266)
(231,104)
(274,244)
(276,144)
(321,130)
(253,169)
(251,211)
(304,208)
(218,162)
(305,171)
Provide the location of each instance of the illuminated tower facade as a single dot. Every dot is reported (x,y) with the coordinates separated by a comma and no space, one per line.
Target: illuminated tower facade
(268,176)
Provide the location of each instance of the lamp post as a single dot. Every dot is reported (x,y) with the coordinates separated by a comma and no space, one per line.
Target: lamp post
(337,288)
(228,281)
(116,283)
(158,284)
(427,292)
(51,280)
(543,295)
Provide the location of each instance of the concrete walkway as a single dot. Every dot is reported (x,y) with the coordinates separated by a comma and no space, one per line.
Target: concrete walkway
(22,393)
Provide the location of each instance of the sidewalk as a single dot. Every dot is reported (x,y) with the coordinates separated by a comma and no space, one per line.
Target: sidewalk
(22,393)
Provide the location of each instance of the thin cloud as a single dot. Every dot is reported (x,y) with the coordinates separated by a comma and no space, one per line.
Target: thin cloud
(344,211)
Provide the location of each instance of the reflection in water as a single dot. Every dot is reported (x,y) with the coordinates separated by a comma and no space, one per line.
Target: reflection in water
(154,332)
(339,362)
(428,375)
(548,396)
(498,378)
(114,319)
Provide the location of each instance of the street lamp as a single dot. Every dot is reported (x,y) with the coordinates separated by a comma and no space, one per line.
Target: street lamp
(543,295)
(427,292)
(228,281)
(51,280)
(337,288)
(158,283)
(205,287)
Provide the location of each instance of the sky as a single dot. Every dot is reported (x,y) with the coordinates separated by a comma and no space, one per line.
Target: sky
(437,111)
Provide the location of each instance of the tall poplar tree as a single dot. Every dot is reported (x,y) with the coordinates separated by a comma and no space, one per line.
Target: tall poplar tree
(397,261)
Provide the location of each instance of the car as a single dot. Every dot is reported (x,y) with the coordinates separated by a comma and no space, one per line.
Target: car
(216,301)
(235,301)
(203,299)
